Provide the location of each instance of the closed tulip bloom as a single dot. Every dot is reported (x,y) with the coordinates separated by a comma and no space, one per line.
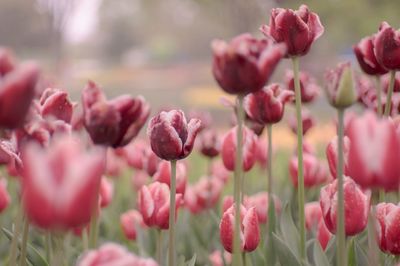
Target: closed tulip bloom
(7,63)
(261,202)
(163,175)
(356,206)
(387,47)
(249,229)
(54,103)
(267,105)
(387,228)
(340,87)
(262,153)
(111,254)
(154,204)
(332,155)
(4,196)
(315,172)
(17,89)
(208,191)
(323,234)
(298,29)
(60,184)
(307,120)
(209,143)
(228,151)
(245,64)
(171,136)
(106,192)
(309,88)
(112,122)
(130,222)
(374,152)
(364,51)
(313,214)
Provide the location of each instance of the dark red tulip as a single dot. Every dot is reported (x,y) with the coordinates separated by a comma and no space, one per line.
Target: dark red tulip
(55,103)
(364,51)
(387,47)
(171,137)
(16,93)
(112,122)
(309,88)
(267,105)
(307,120)
(210,145)
(298,29)
(245,64)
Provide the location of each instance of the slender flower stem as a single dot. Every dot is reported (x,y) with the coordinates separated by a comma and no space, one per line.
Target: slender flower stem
(237,181)
(341,237)
(244,258)
(48,246)
(58,256)
(93,231)
(271,203)
(22,257)
(300,188)
(390,93)
(171,230)
(373,250)
(15,239)
(379,94)
(159,246)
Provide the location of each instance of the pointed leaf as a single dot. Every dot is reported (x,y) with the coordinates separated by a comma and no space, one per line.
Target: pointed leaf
(285,254)
(192,261)
(289,231)
(320,257)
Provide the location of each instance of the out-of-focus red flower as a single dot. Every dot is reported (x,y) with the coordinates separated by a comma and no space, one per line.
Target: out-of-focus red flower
(54,103)
(373,153)
(112,122)
(139,179)
(111,254)
(9,154)
(309,88)
(106,192)
(171,136)
(4,196)
(332,155)
(249,229)
(387,47)
(209,143)
(245,64)
(130,221)
(262,153)
(364,51)
(60,184)
(7,63)
(204,117)
(315,172)
(387,216)
(114,164)
(219,171)
(154,204)
(298,29)
(307,120)
(163,175)
(215,258)
(356,206)
(266,106)
(261,202)
(313,214)
(228,151)
(323,234)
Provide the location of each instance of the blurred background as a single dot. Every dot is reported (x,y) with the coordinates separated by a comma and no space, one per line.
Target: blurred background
(161,48)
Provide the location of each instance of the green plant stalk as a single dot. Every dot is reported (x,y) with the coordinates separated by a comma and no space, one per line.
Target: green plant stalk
(300,187)
(171,230)
(378,94)
(94,226)
(244,258)
(159,246)
(271,215)
(48,246)
(390,93)
(14,242)
(341,237)
(25,231)
(373,250)
(237,182)
(58,256)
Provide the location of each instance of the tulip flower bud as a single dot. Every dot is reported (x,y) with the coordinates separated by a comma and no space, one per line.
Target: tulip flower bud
(209,143)
(340,86)
(245,64)
(163,175)
(249,228)
(228,151)
(130,221)
(364,51)
(332,155)
(356,206)
(313,214)
(4,196)
(315,172)
(266,106)
(387,47)
(309,88)
(171,137)
(55,103)
(106,192)
(260,202)
(387,216)
(298,29)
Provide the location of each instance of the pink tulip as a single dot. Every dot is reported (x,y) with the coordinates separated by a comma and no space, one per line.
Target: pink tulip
(250,230)
(298,29)
(315,172)
(364,51)
(171,137)
(261,203)
(387,216)
(163,175)
(387,47)
(323,234)
(139,179)
(206,193)
(7,62)
(309,88)
(114,164)
(356,206)
(130,221)
(219,171)
(215,258)
(262,153)
(60,184)
(332,155)
(228,151)
(106,192)
(210,145)
(4,196)
(54,103)
(313,214)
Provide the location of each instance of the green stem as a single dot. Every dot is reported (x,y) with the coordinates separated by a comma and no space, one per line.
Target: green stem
(389,93)
(373,250)
(379,94)
(171,230)
(22,257)
(93,231)
(85,239)
(341,237)
(244,258)
(15,239)
(237,181)
(271,203)
(48,246)
(300,188)
(58,256)
(159,246)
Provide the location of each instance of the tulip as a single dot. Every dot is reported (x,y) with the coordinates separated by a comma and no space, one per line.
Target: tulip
(163,175)
(249,229)
(313,214)
(4,196)
(106,192)
(171,137)
(266,106)
(245,64)
(60,183)
(215,258)
(374,149)
(261,203)
(387,216)
(309,89)
(356,206)
(111,254)
(114,164)
(9,154)
(7,63)
(323,234)
(112,122)
(314,171)
(364,51)
(297,29)
(55,103)
(208,190)
(228,150)
(209,143)
(154,204)
(307,121)
(262,154)
(219,171)
(139,179)
(204,117)
(130,221)
(332,155)
(387,47)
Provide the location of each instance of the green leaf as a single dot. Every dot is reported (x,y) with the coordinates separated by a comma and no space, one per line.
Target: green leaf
(330,251)
(351,257)
(270,250)
(192,261)
(319,255)
(33,255)
(361,256)
(289,231)
(285,254)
